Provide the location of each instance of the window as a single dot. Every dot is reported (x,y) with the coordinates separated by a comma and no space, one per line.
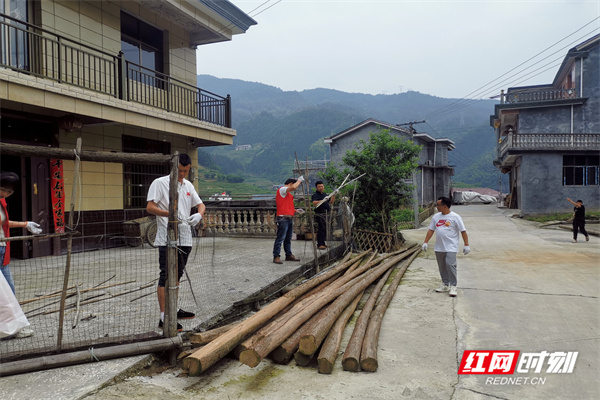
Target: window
(138,177)
(15,45)
(581,170)
(142,45)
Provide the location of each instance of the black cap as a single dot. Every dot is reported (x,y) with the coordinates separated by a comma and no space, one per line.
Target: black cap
(9,179)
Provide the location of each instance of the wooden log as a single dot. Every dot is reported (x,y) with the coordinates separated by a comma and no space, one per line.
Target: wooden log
(203,338)
(205,357)
(331,345)
(253,356)
(283,353)
(351,358)
(302,360)
(283,316)
(310,343)
(368,355)
(85,155)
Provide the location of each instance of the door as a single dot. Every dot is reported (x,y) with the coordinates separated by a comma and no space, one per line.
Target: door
(41,211)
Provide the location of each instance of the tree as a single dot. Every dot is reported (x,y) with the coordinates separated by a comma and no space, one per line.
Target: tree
(387,161)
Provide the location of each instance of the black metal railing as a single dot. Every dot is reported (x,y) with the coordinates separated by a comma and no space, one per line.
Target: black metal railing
(27,48)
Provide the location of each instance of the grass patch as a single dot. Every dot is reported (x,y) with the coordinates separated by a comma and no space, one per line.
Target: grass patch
(560,216)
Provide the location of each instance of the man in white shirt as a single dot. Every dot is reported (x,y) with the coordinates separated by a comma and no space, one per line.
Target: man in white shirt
(158,204)
(447,225)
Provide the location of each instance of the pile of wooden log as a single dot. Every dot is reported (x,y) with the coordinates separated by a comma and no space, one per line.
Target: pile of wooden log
(309,321)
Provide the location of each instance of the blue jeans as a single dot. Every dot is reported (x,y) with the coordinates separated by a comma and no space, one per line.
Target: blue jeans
(284,235)
(6,270)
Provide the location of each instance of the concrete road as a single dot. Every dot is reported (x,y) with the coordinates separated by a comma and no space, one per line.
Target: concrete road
(521,288)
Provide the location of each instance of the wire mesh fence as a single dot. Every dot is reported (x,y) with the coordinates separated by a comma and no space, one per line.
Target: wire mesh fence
(101,289)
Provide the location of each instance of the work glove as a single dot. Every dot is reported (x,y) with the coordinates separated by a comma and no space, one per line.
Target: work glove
(424,247)
(33,227)
(466,250)
(300,179)
(300,211)
(194,219)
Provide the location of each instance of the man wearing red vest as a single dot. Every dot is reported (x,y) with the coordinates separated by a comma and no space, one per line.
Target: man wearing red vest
(285,220)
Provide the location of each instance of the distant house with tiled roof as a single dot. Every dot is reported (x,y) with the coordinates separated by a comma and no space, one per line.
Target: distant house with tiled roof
(434,173)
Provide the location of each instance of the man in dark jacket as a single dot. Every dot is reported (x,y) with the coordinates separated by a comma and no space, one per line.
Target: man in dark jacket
(322,213)
(578,219)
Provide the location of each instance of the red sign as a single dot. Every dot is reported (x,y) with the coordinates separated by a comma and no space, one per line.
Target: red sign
(496,362)
(58,195)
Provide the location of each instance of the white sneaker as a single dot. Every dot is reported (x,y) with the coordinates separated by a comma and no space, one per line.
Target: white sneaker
(443,288)
(23,333)
(452,291)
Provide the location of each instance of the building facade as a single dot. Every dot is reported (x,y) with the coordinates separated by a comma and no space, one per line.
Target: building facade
(119,75)
(434,173)
(548,136)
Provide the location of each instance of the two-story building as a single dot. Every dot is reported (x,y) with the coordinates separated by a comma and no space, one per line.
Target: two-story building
(433,176)
(548,136)
(120,75)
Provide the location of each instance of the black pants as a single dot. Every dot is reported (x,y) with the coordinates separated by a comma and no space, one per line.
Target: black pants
(578,225)
(321,220)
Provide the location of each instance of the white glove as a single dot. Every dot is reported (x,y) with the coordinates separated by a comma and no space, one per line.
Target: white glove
(336,191)
(424,247)
(300,179)
(194,219)
(466,250)
(300,211)
(33,227)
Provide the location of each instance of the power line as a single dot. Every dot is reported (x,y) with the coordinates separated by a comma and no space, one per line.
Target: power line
(478,91)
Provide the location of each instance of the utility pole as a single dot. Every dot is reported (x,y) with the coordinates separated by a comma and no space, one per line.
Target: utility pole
(414,174)
(410,125)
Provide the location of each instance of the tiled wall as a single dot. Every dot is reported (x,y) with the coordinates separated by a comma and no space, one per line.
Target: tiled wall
(98,24)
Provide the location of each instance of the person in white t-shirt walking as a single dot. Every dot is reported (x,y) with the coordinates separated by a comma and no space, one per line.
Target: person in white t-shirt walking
(447,225)
(158,204)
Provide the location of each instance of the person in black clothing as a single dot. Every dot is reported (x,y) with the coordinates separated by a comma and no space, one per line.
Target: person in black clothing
(322,212)
(578,219)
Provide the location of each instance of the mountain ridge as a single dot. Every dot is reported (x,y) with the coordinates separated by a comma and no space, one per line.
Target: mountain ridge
(282,123)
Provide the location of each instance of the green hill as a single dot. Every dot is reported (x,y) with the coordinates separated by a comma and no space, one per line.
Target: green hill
(278,124)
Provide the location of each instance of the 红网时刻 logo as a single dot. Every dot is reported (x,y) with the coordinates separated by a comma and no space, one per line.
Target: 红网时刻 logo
(509,362)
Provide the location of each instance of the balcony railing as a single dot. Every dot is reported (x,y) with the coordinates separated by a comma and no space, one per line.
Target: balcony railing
(27,48)
(550,141)
(539,95)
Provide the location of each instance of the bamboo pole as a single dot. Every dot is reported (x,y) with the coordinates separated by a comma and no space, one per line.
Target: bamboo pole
(331,345)
(63,299)
(351,358)
(368,355)
(252,357)
(205,357)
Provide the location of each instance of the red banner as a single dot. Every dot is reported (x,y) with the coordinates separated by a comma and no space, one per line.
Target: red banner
(58,195)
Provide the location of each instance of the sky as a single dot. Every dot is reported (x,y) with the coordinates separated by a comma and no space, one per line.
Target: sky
(445,48)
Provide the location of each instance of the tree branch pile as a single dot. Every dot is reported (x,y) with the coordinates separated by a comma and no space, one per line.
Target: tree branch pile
(308,322)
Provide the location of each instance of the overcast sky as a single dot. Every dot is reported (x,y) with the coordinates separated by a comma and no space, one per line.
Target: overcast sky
(443,48)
